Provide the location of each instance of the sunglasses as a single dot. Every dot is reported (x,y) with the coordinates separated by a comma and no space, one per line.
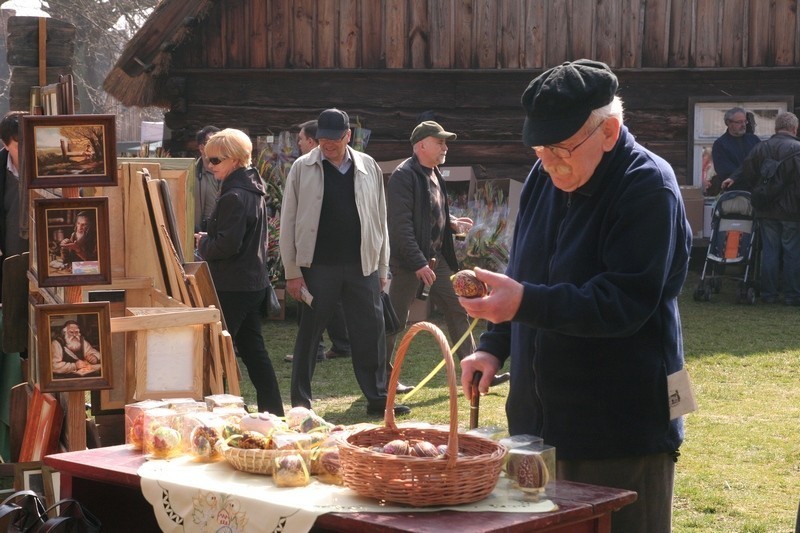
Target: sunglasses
(216,160)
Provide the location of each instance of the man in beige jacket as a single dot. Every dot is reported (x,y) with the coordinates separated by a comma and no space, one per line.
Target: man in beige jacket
(335,247)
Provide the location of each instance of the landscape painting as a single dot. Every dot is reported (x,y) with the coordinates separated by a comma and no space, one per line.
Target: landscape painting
(69,150)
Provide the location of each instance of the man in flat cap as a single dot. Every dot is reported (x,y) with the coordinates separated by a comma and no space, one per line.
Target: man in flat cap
(335,247)
(587,312)
(421,231)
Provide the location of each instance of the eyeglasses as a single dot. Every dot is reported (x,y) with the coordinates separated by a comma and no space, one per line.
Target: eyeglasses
(216,160)
(565,153)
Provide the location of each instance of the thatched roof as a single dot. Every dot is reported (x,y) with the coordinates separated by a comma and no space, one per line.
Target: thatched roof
(141,70)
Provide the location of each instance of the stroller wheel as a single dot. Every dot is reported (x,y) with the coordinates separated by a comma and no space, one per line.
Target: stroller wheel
(751,296)
(698,294)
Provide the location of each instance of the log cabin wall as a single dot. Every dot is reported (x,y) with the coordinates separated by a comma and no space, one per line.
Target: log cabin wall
(267,65)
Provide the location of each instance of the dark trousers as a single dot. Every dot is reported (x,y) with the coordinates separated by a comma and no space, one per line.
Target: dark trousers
(360,298)
(337,332)
(243,317)
(403,290)
(651,476)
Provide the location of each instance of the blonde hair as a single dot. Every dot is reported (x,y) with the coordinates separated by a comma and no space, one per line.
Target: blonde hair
(233,144)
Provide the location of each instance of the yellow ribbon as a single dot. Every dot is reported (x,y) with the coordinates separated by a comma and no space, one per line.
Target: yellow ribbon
(441,363)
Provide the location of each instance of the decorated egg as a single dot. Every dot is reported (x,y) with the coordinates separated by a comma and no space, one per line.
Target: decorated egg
(203,442)
(467,285)
(165,441)
(423,448)
(396,447)
(529,472)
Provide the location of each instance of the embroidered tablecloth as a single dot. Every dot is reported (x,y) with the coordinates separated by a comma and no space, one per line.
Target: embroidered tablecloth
(209,497)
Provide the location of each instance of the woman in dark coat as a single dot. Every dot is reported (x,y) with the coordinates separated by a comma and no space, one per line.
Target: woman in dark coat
(235,247)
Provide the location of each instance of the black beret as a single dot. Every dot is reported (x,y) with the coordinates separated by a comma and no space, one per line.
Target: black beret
(559,101)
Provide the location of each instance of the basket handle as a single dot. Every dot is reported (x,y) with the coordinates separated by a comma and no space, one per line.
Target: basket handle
(389,420)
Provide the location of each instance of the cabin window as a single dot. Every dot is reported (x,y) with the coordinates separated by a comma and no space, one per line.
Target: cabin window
(707,122)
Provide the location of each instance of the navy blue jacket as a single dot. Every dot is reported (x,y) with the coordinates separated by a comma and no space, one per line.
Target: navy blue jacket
(598,330)
(728,152)
(236,245)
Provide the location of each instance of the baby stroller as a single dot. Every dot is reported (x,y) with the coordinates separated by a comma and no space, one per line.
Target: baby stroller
(734,243)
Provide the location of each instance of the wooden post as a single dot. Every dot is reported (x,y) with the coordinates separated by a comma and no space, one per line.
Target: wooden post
(42,51)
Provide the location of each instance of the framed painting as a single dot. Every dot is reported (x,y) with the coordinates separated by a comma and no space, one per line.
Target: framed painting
(72,241)
(68,150)
(74,346)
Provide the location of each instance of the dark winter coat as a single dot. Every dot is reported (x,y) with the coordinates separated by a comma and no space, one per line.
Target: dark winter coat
(598,330)
(408,207)
(779,146)
(236,245)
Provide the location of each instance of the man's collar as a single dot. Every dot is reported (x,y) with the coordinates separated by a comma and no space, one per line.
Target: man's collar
(11,167)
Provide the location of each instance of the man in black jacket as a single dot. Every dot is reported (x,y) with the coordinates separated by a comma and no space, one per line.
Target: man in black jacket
(11,243)
(421,229)
(779,223)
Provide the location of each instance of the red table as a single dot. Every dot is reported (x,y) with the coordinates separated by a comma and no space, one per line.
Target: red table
(106,482)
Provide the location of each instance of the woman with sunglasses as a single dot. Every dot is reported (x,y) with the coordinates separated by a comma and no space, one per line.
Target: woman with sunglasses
(235,248)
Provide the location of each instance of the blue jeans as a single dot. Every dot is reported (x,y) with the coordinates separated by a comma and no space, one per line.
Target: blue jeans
(780,236)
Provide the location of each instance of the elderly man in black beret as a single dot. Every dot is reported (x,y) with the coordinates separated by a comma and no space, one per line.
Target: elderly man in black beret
(587,313)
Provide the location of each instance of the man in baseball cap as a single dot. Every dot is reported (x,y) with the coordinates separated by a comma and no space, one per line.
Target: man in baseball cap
(421,230)
(586,312)
(335,248)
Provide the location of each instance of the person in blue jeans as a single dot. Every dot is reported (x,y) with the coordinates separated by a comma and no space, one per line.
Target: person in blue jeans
(780,222)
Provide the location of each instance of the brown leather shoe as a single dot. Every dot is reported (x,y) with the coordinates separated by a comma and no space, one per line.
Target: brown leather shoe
(331,354)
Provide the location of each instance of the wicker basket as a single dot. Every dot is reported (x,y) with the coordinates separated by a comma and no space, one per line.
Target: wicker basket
(468,472)
(258,461)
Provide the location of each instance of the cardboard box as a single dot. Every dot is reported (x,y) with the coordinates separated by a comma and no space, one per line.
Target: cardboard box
(694,206)
(387,167)
(512,189)
(461,182)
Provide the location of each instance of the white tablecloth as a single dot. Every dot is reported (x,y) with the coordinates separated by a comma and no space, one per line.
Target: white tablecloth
(214,497)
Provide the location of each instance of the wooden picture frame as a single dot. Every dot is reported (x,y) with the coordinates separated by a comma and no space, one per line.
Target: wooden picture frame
(72,241)
(168,360)
(113,400)
(52,485)
(74,346)
(42,426)
(29,476)
(68,150)
(50,99)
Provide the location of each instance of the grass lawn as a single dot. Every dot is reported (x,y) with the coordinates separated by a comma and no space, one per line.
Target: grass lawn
(739,469)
